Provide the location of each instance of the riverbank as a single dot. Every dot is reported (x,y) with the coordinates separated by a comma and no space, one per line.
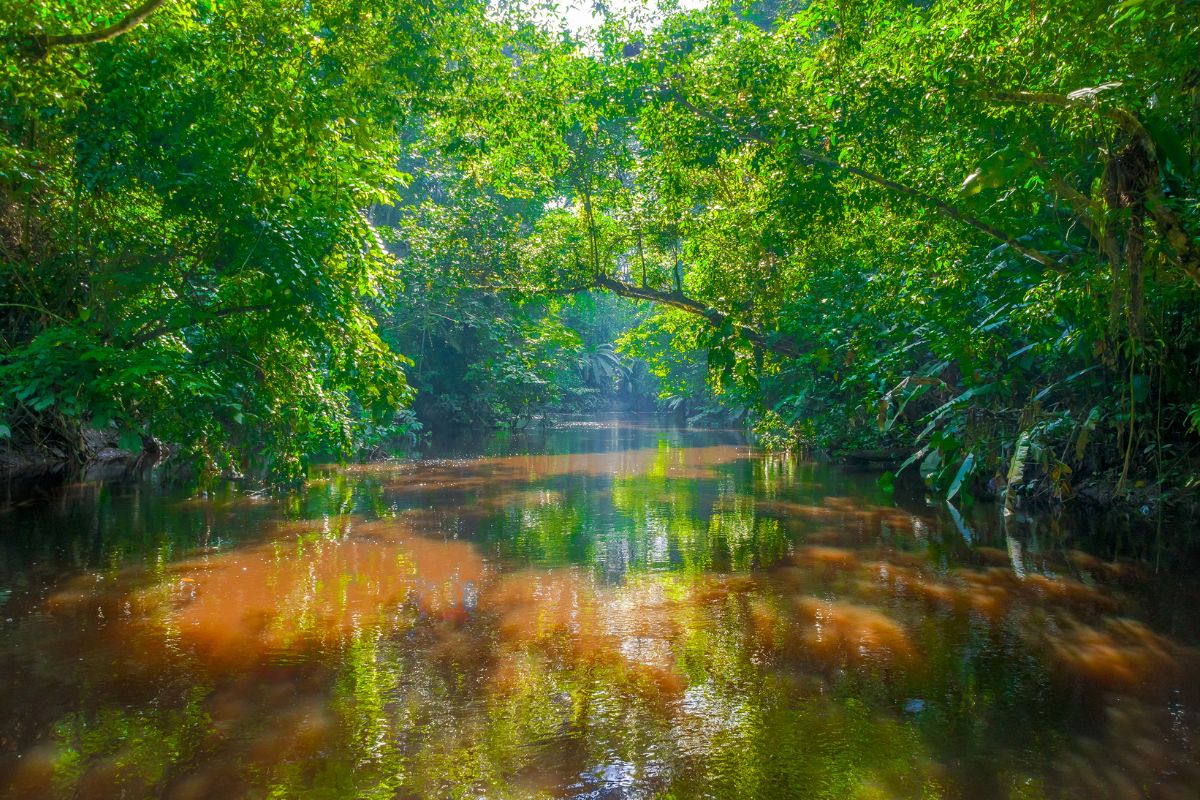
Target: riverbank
(100,458)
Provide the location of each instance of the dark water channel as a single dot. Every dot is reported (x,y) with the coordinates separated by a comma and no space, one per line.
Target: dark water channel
(609,609)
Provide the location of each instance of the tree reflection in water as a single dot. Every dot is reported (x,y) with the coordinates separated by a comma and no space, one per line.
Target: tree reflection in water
(659,615)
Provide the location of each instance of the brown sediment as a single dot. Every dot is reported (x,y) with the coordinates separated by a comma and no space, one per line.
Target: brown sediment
(1070,592)
(874,574)
(765,621)
(912,582)
(853,519)
(564,616)
(536,605)
(832,536)
(521,498)
(1082,560)
(796,579)
(992,556)
(718,587)
(246,603)
(1116,571)
(33,776)
(1117,654)
(1133,753)
(259,601)
(834,632)
(828,558)
(990,592)
(849,598)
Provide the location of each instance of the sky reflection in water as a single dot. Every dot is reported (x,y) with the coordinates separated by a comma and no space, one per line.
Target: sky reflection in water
(607,610)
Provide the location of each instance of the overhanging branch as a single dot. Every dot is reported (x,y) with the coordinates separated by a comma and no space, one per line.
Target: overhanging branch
(39,45)
(1082,99)
(773,343)
(715,317)
(167,328)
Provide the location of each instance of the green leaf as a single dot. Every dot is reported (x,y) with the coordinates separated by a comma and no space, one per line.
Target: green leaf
(963,471)
(1016,468)
(941,411)
(1092,92)
(917,456)
(998,169)
(1045,392)
(972,184)
(1171,147)
(1085,431)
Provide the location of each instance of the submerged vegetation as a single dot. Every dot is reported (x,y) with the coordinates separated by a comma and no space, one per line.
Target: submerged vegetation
(965,233)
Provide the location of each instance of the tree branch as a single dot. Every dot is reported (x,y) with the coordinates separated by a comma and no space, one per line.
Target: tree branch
(1166,219)
(715,317)
(928,200)
(40,44)
(1082,99)
(165,328)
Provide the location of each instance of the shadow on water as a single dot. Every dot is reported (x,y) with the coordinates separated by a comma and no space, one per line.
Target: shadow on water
(606,610)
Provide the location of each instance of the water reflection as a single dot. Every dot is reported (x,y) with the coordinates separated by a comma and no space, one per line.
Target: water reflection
(615,611)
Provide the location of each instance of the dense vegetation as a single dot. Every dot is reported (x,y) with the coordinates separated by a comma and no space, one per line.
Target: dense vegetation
(965,231)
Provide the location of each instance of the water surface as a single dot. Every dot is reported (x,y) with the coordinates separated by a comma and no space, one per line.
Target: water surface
(608,609)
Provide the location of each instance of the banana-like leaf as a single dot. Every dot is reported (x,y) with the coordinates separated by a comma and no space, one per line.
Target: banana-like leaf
(917,456)
(1016,469)
(921,382)
(963,472)
(1091,92)
(1015,556)
(942,410)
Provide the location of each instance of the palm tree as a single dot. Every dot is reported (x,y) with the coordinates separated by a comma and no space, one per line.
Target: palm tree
(599,365)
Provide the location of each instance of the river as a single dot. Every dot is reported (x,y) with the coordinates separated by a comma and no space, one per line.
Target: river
(610,608)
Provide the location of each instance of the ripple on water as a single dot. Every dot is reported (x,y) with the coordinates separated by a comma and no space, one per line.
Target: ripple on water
(613,618)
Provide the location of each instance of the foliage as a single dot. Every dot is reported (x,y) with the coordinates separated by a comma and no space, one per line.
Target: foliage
(946,227)
(486,351)
(879,224)
(183,245)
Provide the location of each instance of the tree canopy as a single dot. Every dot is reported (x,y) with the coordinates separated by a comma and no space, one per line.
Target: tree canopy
(964,230)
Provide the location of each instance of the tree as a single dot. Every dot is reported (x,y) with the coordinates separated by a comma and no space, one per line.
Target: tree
(890,222)
(184,242)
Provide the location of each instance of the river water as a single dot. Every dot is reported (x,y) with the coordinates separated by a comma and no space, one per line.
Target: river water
(605,609)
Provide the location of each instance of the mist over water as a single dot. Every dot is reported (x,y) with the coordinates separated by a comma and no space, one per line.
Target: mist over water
(609,608)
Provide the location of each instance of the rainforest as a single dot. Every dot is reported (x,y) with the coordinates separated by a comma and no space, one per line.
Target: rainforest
(255,232)
(691,398)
